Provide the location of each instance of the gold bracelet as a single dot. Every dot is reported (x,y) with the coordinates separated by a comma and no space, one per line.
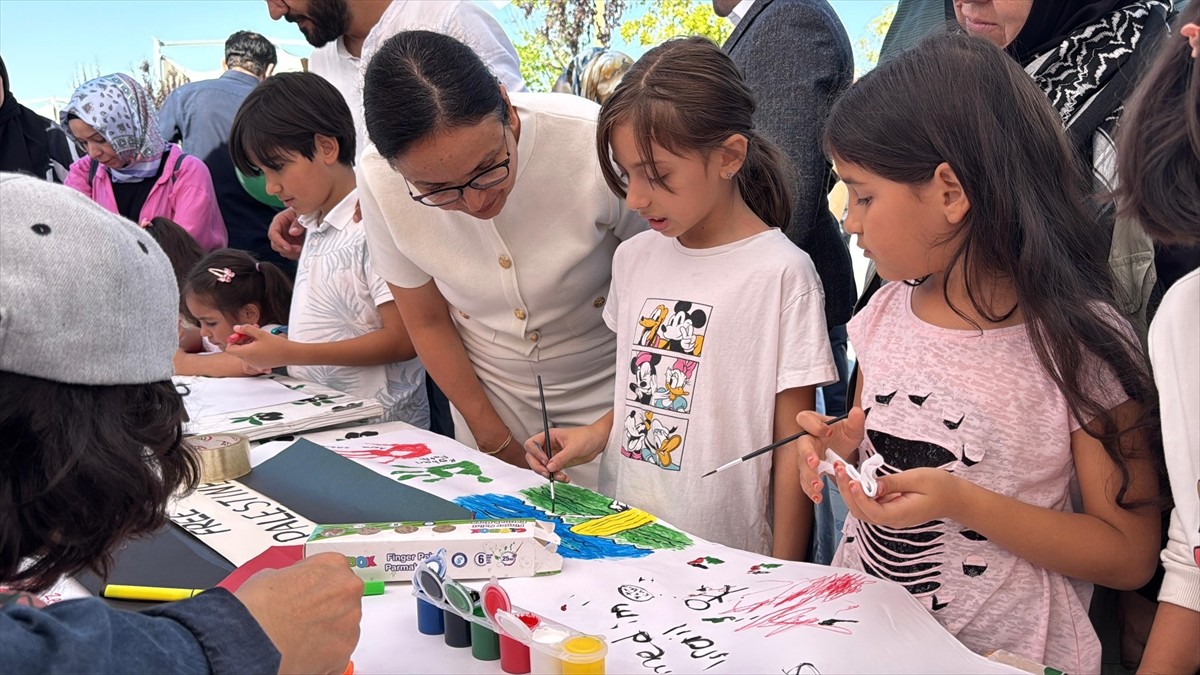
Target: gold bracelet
(502,446)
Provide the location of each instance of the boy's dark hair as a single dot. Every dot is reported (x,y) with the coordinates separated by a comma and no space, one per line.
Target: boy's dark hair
(181,249)
(961,100)
(254,283)
(83,468)
(282,115)
(421,82)
(1158,144)
(687,96)
(250,51)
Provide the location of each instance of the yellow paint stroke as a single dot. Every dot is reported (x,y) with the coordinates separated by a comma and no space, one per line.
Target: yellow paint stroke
(614,524)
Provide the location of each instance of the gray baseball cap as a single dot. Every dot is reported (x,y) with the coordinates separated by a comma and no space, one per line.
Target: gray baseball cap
(86,297)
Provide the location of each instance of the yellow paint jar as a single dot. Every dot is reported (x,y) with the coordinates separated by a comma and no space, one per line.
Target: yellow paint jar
(584,655)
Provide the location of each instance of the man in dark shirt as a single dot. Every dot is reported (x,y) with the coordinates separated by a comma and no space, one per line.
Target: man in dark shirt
(200,115)
(796,57)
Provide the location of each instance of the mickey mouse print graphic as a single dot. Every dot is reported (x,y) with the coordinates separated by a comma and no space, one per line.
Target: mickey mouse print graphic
(644,368)
(679,330)
(653,439)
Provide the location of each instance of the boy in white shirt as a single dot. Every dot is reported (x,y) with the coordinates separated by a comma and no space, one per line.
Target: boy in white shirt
(344,328)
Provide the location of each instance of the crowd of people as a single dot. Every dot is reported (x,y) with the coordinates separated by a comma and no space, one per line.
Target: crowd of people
(651,247)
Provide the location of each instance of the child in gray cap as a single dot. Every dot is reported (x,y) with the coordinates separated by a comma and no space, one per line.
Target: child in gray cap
(93,450)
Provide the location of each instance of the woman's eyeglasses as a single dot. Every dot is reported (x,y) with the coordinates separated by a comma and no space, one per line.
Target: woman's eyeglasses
(484,180)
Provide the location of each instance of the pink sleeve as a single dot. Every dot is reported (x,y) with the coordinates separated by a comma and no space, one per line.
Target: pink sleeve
(1100,380)
(77,176)
(195,205)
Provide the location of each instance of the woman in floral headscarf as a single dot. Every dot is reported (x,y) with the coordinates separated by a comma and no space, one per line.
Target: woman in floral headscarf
(129,169)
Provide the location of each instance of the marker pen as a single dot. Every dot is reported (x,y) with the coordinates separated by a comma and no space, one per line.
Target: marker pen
(148,593)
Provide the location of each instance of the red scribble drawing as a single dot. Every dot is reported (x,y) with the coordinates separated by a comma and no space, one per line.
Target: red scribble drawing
(389,454)
(785,605)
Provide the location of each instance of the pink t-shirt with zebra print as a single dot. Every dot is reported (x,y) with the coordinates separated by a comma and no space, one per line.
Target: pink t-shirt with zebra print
(978,404)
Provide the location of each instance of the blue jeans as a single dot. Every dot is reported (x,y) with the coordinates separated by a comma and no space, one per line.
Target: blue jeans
(830,515)
(831,399)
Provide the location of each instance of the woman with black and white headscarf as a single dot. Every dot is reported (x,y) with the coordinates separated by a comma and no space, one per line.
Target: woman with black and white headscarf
(1086,55)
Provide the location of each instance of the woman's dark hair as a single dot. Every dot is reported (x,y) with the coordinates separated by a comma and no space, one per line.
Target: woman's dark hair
(687,96)
(181,249)
(282,114)
(419,83)
(960,100)
(1158,144)
(83,468)
(253,283)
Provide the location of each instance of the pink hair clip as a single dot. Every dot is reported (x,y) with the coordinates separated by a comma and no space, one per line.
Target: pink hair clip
(224,275)
(144,223)
(1191,31)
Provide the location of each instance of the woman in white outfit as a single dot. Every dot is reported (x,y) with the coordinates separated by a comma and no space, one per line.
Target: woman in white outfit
(487,214)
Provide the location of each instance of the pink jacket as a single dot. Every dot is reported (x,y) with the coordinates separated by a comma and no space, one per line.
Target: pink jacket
(190,201)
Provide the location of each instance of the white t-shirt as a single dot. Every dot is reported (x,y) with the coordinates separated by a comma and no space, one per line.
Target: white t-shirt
(337,297)
(1176,358)
(464,21)
(705,340)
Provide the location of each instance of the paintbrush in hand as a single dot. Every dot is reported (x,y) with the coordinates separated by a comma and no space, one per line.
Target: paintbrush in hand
(764,450)
(546,440)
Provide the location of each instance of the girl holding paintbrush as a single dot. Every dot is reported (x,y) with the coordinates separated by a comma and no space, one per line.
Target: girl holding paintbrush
(1009,399)
(702,375)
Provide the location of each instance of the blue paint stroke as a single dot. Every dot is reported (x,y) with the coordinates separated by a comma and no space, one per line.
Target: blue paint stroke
(576,546)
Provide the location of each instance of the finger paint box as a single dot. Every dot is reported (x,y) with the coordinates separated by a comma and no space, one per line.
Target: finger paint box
(475,549)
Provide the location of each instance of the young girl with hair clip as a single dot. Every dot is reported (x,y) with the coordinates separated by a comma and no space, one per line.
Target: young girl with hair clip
(1158,163)
(228,288)
(998,373)
(183,252)
(702,306)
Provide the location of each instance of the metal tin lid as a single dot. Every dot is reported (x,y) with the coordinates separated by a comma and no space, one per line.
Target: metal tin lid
(222,456)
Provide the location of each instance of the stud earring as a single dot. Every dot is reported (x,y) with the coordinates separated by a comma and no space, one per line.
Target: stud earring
(727,175)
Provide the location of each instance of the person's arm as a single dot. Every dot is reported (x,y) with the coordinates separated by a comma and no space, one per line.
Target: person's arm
(1173,646)
(195,203)
(286,234)
(1103,544)
(793,515)
(479,30)
(303,618)
(437,341)
(77,176)
(386,345)
(842,437)
(211,365)
(570,447)
(212,632)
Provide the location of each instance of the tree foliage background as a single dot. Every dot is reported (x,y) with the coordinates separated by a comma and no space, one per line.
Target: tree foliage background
(557,30)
